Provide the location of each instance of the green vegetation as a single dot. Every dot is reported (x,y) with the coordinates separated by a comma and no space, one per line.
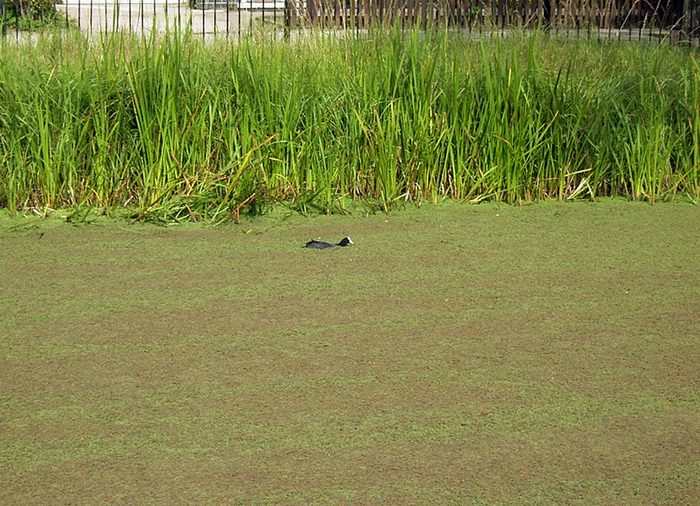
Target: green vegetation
(456,354)
(32,15)
(175,128)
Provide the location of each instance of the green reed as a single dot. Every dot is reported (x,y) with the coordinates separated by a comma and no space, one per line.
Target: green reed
(175,128)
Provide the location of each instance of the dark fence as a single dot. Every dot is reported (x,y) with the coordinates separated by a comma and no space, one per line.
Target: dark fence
(674,20)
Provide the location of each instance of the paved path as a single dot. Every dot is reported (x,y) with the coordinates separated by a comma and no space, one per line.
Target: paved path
(144,17)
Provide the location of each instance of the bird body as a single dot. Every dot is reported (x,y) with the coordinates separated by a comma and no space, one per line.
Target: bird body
(324,245)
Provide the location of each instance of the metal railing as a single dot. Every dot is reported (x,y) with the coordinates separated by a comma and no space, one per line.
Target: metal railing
(673,20)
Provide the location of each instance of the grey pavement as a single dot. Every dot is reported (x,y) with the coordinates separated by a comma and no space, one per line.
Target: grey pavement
(143,18)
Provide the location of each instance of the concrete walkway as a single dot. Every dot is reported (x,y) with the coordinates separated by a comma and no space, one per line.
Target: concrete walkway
(141,17)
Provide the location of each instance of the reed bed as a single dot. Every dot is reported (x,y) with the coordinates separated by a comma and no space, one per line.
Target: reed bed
(175,128)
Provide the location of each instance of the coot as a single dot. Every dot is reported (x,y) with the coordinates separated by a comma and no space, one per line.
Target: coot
(324,245)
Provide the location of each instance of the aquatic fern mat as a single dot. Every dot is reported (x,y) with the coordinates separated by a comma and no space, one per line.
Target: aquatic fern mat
(176,128)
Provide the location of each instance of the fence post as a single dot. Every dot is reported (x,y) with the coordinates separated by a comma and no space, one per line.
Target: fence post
(311,11)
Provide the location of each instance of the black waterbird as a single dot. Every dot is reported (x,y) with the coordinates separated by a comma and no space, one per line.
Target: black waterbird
(324,245)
